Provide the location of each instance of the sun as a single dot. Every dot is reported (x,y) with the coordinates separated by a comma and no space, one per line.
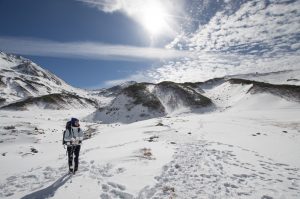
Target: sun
(153,18)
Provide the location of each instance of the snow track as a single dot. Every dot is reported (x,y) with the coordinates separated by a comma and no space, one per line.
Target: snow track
(39,181)
(215,170)
(199,169)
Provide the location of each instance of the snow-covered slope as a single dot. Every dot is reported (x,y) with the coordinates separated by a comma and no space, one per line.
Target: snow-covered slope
(21,78)
(24,84)
(132,104)
(141,101)
(227,92)
(53,101)
(290,77)
(177,97)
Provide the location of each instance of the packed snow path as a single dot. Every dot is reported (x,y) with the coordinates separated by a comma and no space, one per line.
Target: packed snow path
(200,169)
(215,170)
(89,171)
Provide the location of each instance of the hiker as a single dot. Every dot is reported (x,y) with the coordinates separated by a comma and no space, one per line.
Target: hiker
(73,137)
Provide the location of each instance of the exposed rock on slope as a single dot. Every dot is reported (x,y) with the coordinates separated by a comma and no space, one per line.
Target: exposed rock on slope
(176,96)
(142,101)
(21,78)
(134,103)
(289,92)
(24,84)
(56,101)
(228,92)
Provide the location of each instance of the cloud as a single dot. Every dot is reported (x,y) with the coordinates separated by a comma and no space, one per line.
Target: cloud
(131,7)
(169,12)
(257,36)
(109,5)
(86,50)
(255,28)
(216,66)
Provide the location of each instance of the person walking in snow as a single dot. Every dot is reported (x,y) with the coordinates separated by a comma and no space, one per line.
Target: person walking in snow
(73,137)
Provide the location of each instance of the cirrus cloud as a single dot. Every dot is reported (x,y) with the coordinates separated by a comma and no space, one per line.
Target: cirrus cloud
(86,50)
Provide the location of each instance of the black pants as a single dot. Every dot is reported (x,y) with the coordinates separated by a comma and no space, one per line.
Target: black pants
(73,152)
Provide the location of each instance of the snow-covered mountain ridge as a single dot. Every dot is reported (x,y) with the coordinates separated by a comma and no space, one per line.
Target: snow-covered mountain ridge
(54,101)
(21,78)
(25,85)
(142,101)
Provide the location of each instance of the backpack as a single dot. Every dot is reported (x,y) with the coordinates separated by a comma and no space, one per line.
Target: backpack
(68,126)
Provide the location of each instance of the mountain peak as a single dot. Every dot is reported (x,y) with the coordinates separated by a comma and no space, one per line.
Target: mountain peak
(21,78)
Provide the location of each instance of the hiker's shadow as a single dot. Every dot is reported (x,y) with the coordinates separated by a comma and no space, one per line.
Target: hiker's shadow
(48,191)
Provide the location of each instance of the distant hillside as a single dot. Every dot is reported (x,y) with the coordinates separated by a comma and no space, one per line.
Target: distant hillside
(133,103)
(175,96)
(24,83)
(142,101)
(21,78)
(56,101)
(289,92)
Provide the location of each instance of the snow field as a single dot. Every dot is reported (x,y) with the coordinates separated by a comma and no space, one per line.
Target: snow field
(248,150)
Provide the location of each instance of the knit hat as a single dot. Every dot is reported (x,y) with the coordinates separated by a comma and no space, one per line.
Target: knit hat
(73,121)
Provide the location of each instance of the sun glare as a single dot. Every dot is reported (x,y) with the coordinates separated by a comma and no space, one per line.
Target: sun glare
(153,18)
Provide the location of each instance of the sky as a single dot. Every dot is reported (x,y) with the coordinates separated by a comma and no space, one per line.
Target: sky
(89,44)
(101,43)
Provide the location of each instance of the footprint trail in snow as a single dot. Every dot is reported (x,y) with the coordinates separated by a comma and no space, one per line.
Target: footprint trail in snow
(214,170)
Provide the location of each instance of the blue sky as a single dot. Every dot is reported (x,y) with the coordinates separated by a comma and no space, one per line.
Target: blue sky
(100,43)
(73,24)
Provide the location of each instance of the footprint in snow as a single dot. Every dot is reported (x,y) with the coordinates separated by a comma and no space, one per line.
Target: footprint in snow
(114,190)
